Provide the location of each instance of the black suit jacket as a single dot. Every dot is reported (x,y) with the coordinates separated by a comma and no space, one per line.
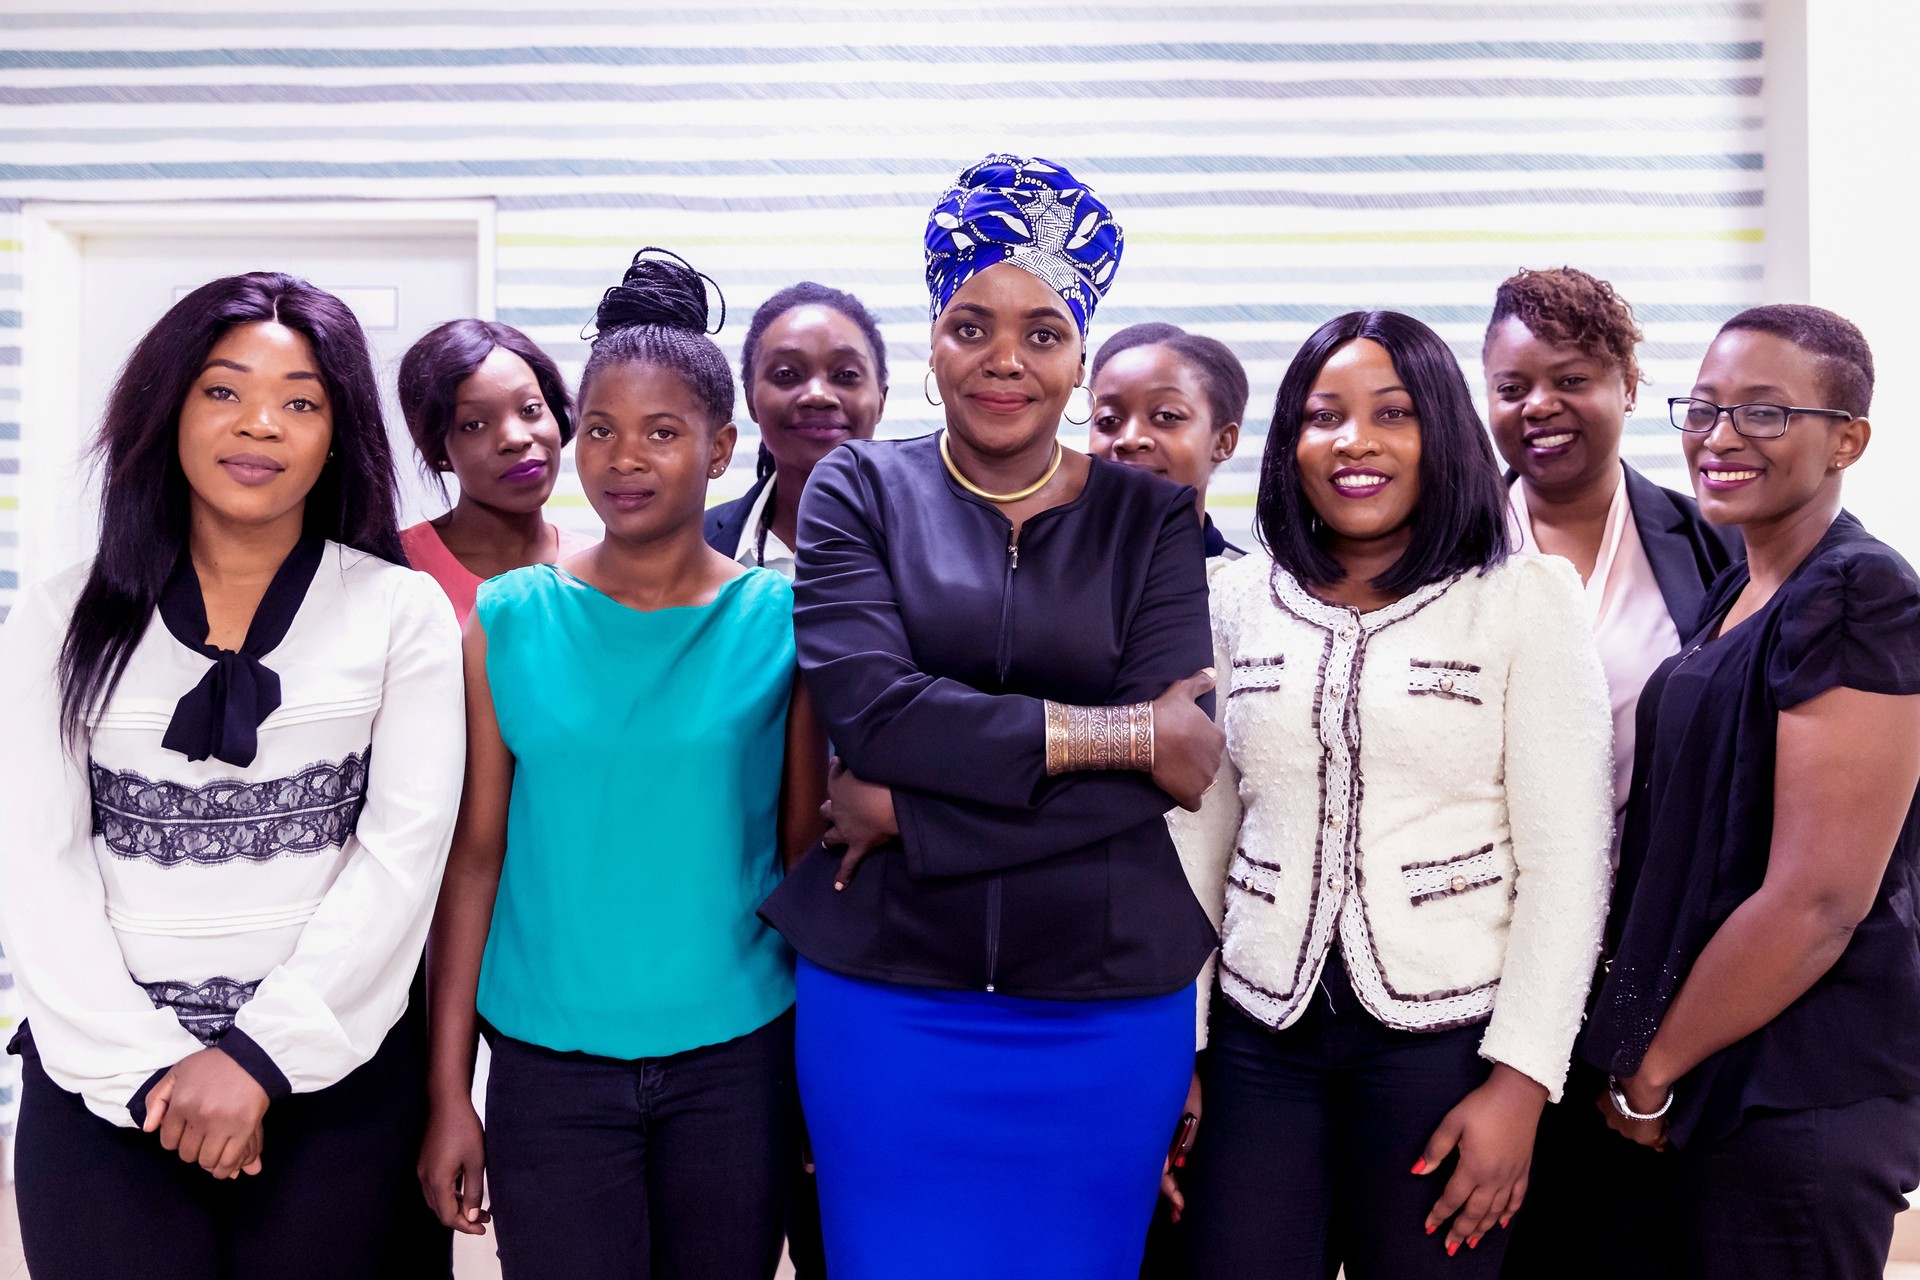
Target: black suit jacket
(1686,552)
(724,523)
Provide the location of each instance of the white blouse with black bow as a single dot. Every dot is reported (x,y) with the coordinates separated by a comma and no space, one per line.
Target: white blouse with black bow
(248,851)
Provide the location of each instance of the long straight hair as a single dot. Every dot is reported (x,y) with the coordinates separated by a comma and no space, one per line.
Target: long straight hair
(143,495)
(1460,522)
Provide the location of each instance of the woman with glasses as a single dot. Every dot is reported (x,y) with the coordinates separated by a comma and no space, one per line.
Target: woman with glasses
(1760,1014)
(1562,377)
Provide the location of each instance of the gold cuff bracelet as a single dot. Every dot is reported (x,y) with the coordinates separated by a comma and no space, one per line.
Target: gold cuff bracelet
(1084,739)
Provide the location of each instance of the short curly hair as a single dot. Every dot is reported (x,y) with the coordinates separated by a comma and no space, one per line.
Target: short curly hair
(1569,308)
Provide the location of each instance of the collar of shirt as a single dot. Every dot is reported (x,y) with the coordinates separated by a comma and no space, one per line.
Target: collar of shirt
(759,546)
(1631,626)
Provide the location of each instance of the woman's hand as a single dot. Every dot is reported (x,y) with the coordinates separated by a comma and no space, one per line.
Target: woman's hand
(859,816)
(209,1110)
(1187,744)
(1169,1182)
(1493,1127)
(1645,1098)
(453,1166)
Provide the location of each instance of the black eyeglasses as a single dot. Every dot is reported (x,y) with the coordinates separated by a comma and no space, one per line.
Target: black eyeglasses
(1756,421)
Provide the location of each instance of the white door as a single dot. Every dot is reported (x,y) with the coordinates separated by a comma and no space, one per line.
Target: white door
(398,285)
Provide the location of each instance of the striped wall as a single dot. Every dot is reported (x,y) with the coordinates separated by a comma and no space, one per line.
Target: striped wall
(1273,164)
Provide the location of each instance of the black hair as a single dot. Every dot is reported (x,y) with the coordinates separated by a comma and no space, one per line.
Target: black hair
(144,496)
(657,315)
(1460,522)
(804,294)
(434,367)
(1222,376)
(1570,308)
(1845,359)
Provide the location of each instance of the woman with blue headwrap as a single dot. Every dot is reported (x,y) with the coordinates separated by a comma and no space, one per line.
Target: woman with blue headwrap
(1008,641)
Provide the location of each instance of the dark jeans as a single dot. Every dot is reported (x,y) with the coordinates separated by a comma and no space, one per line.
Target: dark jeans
(1799,1195)
(670,1168)
(419,1248)
(806,1248)
(1598,1207)
(1307,1139)
(100,1202)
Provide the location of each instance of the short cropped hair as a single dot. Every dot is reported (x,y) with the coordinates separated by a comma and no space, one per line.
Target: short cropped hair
(1846,361)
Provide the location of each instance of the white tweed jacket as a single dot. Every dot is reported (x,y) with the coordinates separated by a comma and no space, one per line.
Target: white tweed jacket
(1429,784)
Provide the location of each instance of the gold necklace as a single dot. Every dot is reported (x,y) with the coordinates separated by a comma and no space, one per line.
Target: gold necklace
(946,456)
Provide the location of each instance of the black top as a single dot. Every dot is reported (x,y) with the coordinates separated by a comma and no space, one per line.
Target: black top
(929,642)
(723,524)
(1214,542)
(1699,827)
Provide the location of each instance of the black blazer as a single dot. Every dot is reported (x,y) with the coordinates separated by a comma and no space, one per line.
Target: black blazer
(1686,552)
(930,645)
(724,523)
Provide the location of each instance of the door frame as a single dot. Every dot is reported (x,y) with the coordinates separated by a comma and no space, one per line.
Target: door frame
(52,243)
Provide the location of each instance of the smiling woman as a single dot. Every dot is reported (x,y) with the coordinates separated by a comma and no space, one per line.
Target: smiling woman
(1760,1011)
(225,830)
(1169,402)
(1411,817)
(1562,376)
(1006,638)
(814,367)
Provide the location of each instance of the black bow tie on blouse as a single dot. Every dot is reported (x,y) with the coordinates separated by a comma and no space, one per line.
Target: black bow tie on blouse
(221,716)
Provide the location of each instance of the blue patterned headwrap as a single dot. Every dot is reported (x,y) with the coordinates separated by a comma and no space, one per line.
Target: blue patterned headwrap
(1033,214)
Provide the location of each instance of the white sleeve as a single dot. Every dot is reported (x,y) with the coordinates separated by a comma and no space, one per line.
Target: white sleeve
(1205,839)
(96,1032)
(325,1010)
(1559,783)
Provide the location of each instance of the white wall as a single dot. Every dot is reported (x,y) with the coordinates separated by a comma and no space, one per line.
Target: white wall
(1863,142)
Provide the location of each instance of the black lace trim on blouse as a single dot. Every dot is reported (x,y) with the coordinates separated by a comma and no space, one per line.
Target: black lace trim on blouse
(207,1008)
(170,823)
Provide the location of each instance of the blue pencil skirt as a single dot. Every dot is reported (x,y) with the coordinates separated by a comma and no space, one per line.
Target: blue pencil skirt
(966,1135)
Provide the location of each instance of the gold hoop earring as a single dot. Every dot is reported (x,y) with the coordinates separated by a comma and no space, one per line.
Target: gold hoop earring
(926,388)
(1081,422)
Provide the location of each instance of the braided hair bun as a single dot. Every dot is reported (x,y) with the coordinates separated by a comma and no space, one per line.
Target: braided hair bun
(658,315)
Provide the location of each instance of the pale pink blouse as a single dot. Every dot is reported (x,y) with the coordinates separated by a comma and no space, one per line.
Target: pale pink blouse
(1631,625)
(430,556)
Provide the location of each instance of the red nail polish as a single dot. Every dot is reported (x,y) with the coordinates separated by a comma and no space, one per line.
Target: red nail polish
(1453,1248)
(1432,1227)
(1420,1165)
(1504,1221)
(1474,1243)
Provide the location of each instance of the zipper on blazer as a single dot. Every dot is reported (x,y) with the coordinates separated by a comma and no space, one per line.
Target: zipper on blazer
(1005,662)
(994,888)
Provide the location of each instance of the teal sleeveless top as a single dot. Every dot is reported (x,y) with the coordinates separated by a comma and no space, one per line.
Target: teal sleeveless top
(642,830)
